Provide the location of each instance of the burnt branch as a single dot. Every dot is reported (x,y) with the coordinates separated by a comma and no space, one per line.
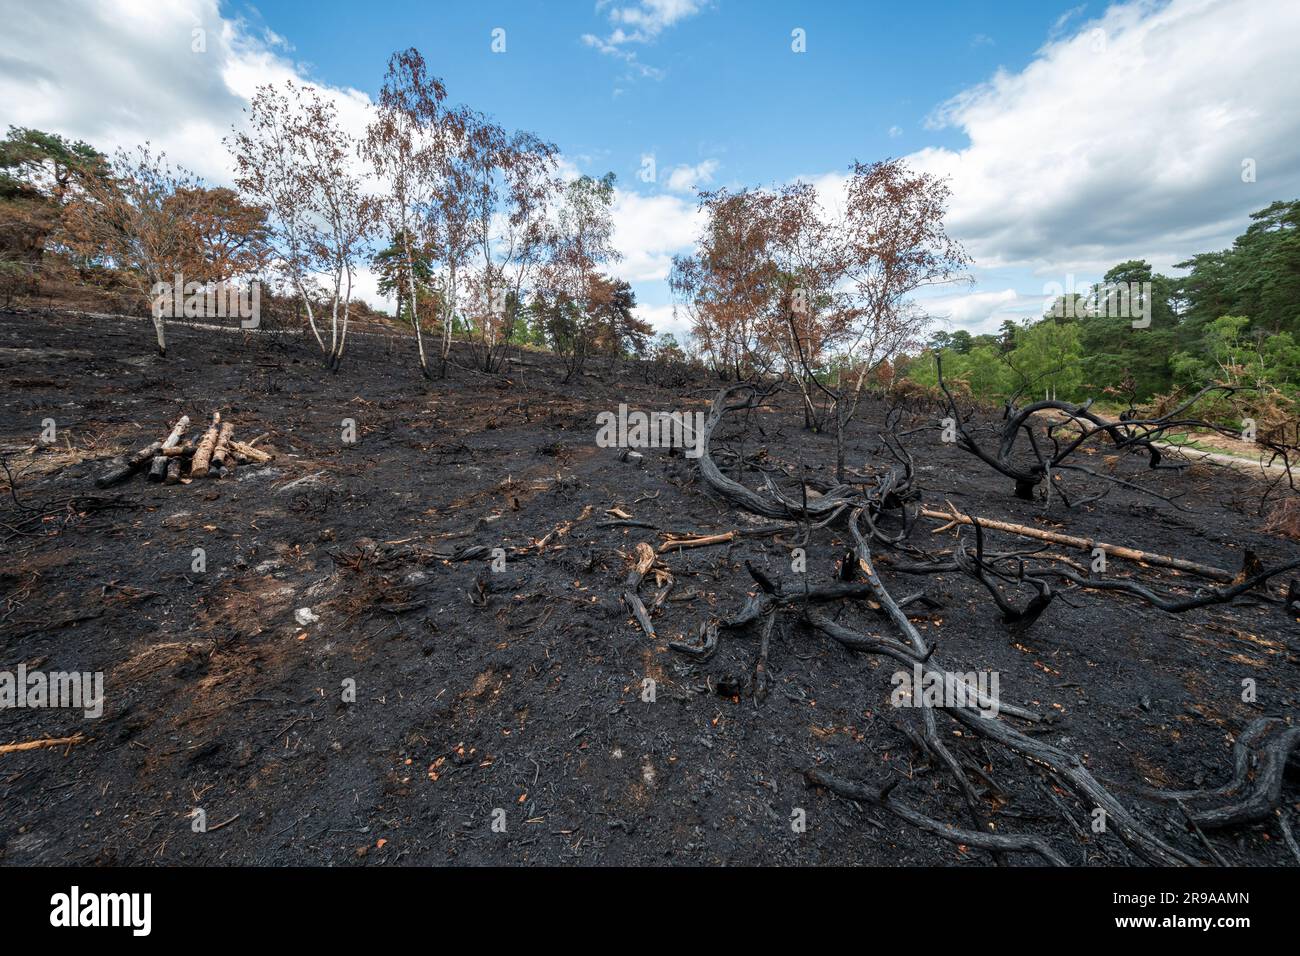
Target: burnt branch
(1079,426)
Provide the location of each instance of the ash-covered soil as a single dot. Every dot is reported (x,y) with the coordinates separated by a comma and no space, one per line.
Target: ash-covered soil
(517,697)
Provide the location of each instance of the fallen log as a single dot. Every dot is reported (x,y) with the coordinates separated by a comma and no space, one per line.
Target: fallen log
(222,448)
(983,717)
(203,454)
(173,475)
(178,431)
(1064,764)
(1084,544)
(248,453)
(1202,598)
(158,467)
(125,468)
(778,505)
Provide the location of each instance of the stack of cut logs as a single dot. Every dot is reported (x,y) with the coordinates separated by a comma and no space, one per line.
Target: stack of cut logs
(172,461)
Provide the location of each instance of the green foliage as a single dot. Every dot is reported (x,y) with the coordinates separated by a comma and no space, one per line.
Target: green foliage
(983,369)
(1047,357)
(1045,354)
(1259,277)
(34,163)
(391,268)
(1240,355)
(1234,318)
(960,341)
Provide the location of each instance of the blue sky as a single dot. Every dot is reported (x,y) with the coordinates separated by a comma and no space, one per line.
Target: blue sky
(729,88)
(1073,136)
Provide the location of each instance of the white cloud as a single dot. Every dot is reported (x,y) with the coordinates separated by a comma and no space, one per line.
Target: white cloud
(1124,138)
(648,18)
(663,319)
(1063,21)
(118,75)
(177,75)
(1090,156)
(365,286)
(1094,153)
(627,56)
(644,21)
(684,179)
(648,231)
(978,312)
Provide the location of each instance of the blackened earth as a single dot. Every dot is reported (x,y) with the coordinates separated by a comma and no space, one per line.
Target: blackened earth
(519,696)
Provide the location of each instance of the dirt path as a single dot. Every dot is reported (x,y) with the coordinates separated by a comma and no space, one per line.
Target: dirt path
(1257,467)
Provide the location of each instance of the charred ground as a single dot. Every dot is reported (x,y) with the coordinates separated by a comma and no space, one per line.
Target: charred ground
(523,690)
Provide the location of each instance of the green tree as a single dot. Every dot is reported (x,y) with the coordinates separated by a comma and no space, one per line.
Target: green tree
(666,348)
(1259,277)
(390,266)
(1006,338)
(39,173)
(1047,356)
(1113,348)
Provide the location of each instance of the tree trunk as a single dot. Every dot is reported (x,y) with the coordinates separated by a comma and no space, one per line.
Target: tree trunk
(449,316)
(415,307)
(839,441)
(343,332)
